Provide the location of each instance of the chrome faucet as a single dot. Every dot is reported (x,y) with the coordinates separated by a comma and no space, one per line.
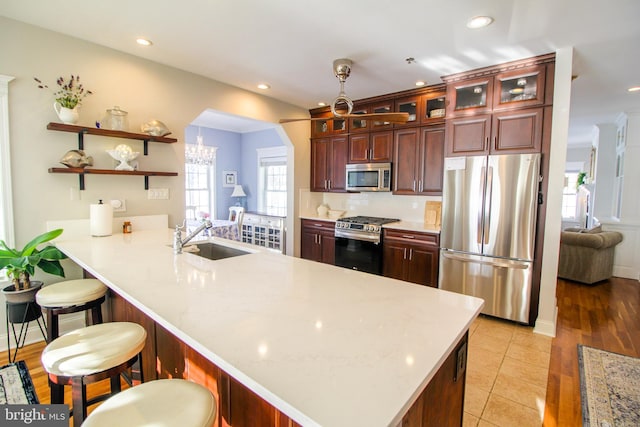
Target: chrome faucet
(178,242)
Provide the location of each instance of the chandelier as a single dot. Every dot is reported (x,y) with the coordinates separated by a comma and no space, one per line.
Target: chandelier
(199,154)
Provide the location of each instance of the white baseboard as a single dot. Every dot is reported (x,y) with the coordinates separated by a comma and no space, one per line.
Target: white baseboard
(547,327)
(626,272)
(67,322)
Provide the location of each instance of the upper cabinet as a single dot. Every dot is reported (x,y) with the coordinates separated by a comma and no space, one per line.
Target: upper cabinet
(433,106)
(471,96)
(412,106)
(327,125)
(519,88)
(499,109)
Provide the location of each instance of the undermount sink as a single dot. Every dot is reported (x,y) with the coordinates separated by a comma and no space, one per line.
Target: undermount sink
(214,251)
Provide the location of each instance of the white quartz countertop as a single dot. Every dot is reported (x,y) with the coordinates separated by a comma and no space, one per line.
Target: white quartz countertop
(413,226)
(327,346)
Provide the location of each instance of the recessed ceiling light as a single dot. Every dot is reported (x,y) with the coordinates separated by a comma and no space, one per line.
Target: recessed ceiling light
(143,42)
(322,104)
(420,83)
(634,89)
(264,86)
(479,22)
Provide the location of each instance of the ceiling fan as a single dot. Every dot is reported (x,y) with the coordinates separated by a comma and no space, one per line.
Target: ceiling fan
(342,106)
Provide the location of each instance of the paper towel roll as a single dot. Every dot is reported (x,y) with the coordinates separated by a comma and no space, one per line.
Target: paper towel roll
(101,219)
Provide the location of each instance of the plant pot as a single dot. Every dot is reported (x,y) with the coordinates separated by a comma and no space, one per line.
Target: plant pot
(22,296)
(66,115)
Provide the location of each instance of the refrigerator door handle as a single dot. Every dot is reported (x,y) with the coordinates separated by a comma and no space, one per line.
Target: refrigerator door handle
(487,206)
(483,172)
(495,262)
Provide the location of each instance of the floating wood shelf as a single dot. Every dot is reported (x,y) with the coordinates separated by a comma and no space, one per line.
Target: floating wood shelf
(82,130)
(82,172)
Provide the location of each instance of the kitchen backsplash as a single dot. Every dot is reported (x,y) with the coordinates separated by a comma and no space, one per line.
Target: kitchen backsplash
(406,208)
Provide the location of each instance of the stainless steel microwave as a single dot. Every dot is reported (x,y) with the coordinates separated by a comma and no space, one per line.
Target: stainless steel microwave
(369,177)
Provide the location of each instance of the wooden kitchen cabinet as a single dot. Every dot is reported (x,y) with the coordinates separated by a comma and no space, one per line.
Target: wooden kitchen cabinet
(328,163)
(418,160)
(523,87)
(433,107)
(412,106)
(327,126)
(504,132)
(374,147)
(411,256)
(470,96)
(318,241)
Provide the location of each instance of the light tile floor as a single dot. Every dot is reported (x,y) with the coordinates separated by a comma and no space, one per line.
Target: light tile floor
(506,374)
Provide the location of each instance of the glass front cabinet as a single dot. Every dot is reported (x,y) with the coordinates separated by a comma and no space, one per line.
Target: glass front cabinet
(519,88)
(470,96)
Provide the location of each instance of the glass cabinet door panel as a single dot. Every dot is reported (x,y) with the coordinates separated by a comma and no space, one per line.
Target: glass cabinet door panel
(321,127)
(411,106)
(473,96)
(433,108)
(339,125)
(385,107)
(359,125)
(519,88)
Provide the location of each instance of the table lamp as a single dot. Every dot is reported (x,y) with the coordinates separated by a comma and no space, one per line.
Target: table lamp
(238,193)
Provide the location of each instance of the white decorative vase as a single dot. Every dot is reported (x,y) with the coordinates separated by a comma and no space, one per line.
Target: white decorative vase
(67,115)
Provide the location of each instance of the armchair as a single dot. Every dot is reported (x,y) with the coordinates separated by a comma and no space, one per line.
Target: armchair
(586,256)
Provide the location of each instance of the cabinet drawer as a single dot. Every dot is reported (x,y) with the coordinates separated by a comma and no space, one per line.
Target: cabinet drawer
(318,225)
(412,236)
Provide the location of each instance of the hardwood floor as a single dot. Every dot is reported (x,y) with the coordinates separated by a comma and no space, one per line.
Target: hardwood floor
(605,315)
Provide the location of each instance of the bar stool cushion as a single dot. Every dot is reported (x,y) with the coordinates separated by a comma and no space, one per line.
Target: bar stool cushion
(169,402)
(70,293)
(93,349)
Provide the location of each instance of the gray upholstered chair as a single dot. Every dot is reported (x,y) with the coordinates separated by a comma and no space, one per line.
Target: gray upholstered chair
(586,256)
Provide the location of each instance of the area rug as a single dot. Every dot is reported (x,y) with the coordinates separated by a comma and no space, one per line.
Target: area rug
(16,387)
(609,388)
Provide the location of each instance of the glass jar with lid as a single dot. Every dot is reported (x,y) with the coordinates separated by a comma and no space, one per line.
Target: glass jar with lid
(115,119)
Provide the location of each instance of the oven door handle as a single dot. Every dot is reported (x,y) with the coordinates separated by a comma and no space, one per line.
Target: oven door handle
(364,237)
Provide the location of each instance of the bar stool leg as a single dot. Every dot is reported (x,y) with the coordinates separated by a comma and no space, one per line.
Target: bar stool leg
(52,325)
(57,393)
(96,315)
(78,401)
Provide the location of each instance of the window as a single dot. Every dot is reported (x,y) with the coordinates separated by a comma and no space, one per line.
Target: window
(569,195)
(272,181)
(198,191)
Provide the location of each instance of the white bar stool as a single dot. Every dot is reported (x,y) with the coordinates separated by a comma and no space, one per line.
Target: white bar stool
(88,355)
(160,403)
(71,296)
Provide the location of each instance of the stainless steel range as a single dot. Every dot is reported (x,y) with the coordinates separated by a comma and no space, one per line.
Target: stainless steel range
(359,243)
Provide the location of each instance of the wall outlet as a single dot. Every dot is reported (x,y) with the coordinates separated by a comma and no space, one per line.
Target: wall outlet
(118,205)
(158,194)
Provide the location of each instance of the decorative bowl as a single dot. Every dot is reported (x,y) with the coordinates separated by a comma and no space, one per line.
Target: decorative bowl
(438,112)
(124,154)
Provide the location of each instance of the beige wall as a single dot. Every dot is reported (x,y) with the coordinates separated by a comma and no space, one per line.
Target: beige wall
(145,89)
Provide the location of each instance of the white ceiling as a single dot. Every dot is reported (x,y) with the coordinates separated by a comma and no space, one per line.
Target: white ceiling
(291,44)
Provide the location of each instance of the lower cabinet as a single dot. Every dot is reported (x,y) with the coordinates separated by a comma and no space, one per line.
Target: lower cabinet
(318,241)
(411,256)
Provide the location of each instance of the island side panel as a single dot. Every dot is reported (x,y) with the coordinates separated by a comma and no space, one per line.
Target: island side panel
(441,403)
(166,356)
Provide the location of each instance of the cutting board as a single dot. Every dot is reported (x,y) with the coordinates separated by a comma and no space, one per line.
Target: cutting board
(432,213)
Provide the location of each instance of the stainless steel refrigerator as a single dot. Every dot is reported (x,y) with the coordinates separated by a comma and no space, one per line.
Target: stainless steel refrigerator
(489,206)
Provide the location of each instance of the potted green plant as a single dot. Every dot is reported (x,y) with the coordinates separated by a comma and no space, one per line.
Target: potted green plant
(20,266)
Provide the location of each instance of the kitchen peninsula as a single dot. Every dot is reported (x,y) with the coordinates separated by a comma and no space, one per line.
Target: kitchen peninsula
(324,346)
